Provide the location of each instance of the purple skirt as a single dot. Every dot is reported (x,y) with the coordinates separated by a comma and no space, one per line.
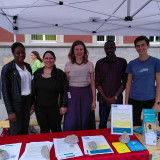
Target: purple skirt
(79,115)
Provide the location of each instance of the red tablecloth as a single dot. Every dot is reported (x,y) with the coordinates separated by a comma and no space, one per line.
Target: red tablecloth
(140,155)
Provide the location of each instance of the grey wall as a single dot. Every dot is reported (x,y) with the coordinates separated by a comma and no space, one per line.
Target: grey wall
(95,52)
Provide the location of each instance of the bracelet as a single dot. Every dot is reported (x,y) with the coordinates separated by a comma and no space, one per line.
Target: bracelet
(115,97)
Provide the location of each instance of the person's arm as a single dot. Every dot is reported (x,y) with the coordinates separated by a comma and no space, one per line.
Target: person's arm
(67,76)
(32,109)
(93,88)
(128,87)
(38,64)
(6,92)
(123,79)
(157,98)
(64,96)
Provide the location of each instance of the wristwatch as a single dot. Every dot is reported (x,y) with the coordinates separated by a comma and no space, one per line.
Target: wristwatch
(115,97)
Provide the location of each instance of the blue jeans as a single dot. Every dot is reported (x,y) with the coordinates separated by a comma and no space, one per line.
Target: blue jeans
(104,112)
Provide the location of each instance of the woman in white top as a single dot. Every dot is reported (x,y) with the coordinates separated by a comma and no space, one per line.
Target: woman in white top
(82,93)
(16,91)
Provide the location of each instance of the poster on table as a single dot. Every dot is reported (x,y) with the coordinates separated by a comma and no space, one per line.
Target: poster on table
(121,119)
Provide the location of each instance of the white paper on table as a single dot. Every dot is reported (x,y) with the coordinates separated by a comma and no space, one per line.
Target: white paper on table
(150,138)
(121,119)
(102,145)
(13,150)
(65,150)
(33,150)
(86,151)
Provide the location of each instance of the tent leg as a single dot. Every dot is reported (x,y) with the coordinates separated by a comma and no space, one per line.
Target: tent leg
(15,37)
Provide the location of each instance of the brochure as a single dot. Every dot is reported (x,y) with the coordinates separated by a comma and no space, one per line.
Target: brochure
(102,145)
(135,146)
(13,150)
(65,150)
(33,150)
(121,119)
(121,147)
(139,129)
(149,127)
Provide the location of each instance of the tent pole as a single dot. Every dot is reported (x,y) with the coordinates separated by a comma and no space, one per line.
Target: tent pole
(15,37)
(15,28)
(128,7)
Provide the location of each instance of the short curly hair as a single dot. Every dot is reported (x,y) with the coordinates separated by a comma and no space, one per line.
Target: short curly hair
(15,45)
(141,38)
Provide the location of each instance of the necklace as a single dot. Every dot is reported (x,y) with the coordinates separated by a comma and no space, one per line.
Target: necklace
(79,63)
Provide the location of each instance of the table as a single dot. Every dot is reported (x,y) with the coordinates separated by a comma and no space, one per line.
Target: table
(151,149)
(140,155)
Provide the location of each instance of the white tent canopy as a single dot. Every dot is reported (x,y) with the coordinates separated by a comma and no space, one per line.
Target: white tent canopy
(81,17)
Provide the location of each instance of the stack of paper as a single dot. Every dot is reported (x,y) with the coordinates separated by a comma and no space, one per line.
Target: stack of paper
(12,150)
(33,150)
(102,145)
(65,150)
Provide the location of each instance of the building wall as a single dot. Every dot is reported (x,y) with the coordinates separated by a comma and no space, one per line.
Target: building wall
(95,52)
(129,39)
(6,36)
(71,38)
(125,47)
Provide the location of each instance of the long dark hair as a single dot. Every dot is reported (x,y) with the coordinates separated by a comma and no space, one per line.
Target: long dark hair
(37,56)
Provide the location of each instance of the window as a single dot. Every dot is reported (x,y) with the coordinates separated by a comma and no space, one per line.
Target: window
(154,39)
(105,38)
(36,37)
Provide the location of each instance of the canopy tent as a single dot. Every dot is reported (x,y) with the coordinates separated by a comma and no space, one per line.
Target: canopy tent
(81,17)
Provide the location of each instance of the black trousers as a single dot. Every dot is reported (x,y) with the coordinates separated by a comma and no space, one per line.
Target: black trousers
(49,119)
(22,111)
(137,107)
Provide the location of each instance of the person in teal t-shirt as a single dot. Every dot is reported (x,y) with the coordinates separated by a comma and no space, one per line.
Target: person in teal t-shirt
(37,61)
(143,84)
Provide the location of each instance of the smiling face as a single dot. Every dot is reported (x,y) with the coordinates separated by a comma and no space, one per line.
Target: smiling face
(110,49)
(48,60)
(79,52)
(19,54)
(142,47)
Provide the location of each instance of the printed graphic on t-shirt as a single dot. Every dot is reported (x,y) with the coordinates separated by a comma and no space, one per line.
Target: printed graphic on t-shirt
(144,70)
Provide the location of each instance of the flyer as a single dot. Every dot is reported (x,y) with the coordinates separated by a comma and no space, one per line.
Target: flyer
(121,119)
(149,127)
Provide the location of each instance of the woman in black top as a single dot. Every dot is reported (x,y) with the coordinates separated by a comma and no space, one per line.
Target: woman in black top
(50,87)
(17,91)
